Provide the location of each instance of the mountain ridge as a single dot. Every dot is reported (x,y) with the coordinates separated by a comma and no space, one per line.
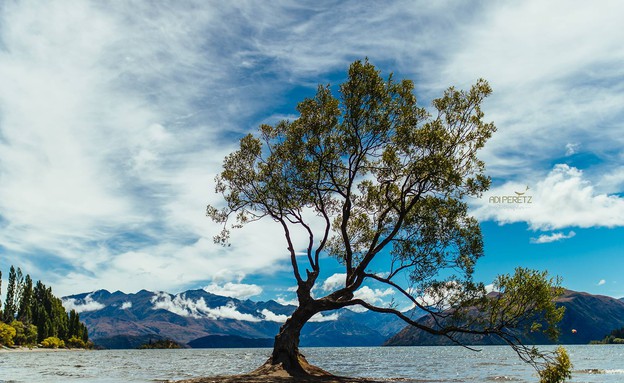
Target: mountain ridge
(203,319)
(120,320)
(587,317)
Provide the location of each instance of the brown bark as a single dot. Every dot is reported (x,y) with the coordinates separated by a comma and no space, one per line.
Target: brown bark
(286,357)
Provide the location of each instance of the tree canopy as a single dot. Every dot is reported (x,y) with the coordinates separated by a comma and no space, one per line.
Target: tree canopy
(33,314)
(369,175)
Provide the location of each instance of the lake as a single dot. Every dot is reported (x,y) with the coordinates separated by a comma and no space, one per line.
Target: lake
(416,364)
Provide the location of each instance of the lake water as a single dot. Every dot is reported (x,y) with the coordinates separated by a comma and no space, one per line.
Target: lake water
(415,364)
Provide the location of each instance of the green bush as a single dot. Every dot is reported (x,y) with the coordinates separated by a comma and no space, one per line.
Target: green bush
(618,341)
(52,342)
(75,342)
(7,333)
(559,369)
(25,334)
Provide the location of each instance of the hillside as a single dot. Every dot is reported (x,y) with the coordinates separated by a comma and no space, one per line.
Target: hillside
(193,318)
(592,316)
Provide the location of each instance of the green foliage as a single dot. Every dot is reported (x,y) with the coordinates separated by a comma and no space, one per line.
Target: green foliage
(379,173)
(378,169)
(615,337)
(49,314)
(618,333)
(52,342)
(24,313)
(559,369)
(39,313)
(160,344)
(76,342)
(25,334)
(7,333)
(9,303)
(526,302)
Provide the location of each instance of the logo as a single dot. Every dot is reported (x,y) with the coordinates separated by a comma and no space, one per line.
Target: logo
(519,198)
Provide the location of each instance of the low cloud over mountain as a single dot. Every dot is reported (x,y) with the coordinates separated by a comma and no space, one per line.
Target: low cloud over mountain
(118,320)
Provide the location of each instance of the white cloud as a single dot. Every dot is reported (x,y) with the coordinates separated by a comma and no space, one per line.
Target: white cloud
(554,237)
(272,317)
(84,305)
(334,282)
(562,199)
(572,149)
(319,317)
(109,142)
(283,301)
(372,296)
(234,290)
(556,74)
(183,306)
(613,178)
(126,305)
(601,282)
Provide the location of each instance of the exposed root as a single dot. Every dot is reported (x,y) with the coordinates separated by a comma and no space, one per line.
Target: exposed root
(280,369)
(276,373)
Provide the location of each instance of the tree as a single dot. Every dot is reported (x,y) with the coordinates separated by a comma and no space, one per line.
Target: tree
(371,175)
(24,312)
(9,303)
(48,314)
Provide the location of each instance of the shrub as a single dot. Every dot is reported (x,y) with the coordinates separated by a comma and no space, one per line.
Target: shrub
(7,333)
(559,369)
(52,342)
(25,334)
(75,342)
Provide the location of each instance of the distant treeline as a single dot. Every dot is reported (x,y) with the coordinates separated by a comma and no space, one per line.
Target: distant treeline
(160,344)
(615,337)
(33,315)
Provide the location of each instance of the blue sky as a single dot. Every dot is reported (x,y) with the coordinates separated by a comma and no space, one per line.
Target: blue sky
(115,117)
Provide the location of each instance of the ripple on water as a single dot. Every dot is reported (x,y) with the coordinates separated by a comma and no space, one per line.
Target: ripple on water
(597,371)
(502,378)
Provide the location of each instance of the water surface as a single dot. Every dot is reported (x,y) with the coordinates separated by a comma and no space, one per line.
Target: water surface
(592,364)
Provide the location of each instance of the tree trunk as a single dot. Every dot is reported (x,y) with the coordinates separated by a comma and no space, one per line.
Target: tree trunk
(286,356)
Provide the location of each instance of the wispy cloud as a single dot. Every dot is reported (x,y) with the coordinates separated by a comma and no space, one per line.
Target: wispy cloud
(543,59)
(114,119)
(601,282)
(84,305)
(234,290)
(572,149)
(554,237)
(183,306)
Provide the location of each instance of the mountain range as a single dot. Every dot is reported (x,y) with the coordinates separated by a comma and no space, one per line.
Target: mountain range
(197,318)
(587,317)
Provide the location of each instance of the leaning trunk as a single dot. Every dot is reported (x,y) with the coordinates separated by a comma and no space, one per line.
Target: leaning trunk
(286,346)
(286,356)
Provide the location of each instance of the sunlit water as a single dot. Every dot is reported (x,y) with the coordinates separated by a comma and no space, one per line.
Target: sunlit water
(599,364)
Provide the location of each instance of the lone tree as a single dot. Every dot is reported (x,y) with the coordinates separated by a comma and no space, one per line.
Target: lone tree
(372,175)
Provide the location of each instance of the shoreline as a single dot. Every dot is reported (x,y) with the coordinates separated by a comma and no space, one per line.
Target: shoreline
(38,349)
